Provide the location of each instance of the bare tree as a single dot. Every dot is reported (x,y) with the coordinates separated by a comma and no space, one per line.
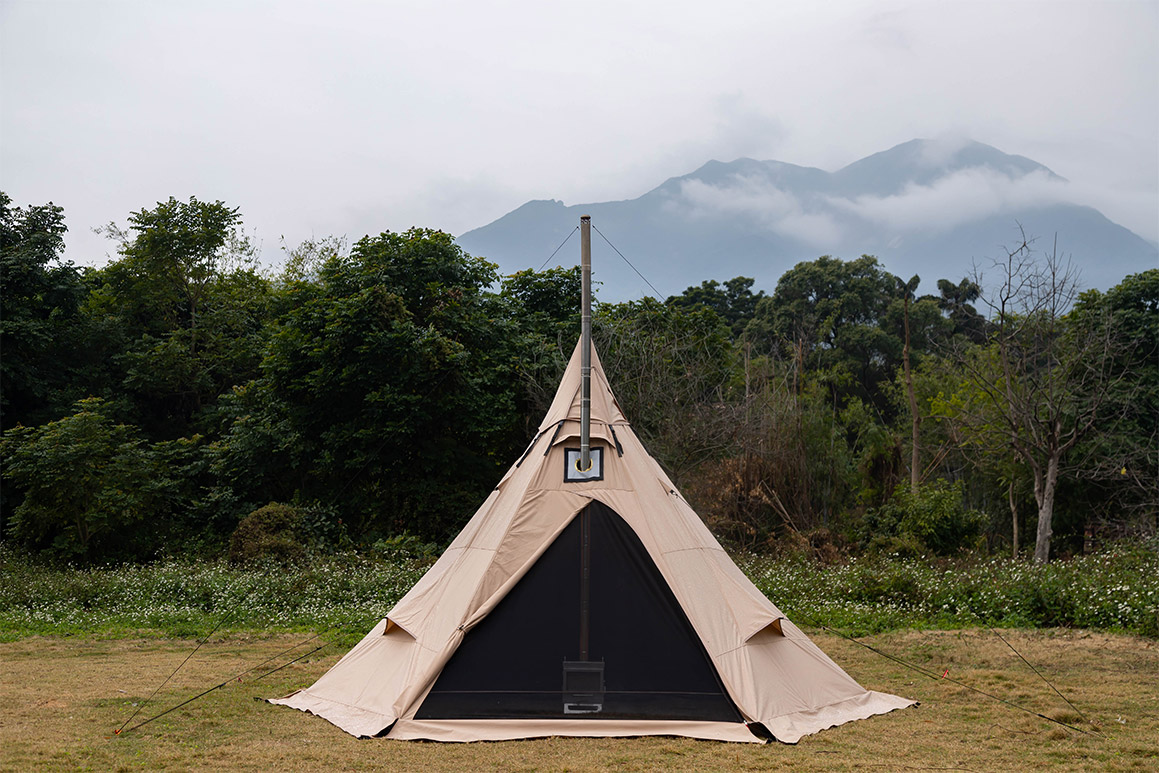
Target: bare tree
(671,370)
(1038,386)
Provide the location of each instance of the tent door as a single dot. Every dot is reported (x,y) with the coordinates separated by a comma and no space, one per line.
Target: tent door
(643,660)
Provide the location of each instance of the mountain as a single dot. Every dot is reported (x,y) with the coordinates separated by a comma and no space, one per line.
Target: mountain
(924,207)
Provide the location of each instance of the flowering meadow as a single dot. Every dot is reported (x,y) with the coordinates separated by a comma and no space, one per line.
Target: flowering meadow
(344,595)
(1116,589)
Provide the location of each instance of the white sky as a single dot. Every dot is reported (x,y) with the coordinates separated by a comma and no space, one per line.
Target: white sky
(322,118)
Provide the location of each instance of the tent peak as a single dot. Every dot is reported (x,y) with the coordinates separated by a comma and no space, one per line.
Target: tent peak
(567,404)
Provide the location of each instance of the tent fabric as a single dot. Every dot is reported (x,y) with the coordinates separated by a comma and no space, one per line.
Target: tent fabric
(773,674)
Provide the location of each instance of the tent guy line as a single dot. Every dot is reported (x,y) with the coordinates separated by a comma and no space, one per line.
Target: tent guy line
(659,295)
(233,679)
(945,676)
(220,622)
(1029,665)
(560,247)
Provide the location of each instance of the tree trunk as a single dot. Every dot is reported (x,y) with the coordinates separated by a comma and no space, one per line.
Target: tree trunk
(915,455)
(1044,486)
(1013,518)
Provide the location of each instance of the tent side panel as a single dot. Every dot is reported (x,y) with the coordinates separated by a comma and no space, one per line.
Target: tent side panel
(810,691)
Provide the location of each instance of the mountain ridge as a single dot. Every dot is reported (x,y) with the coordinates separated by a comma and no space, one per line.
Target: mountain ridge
(928,207)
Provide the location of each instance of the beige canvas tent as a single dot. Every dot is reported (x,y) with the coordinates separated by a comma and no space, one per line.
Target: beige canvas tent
(586,603)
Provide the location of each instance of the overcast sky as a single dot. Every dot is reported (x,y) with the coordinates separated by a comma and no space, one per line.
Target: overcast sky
(320,118)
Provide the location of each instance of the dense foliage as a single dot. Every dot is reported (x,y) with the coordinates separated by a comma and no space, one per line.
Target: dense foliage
(372,395)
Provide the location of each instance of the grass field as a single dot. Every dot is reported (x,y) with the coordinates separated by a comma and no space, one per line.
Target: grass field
(61,698)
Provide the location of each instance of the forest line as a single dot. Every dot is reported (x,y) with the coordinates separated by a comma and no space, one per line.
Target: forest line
(375,392)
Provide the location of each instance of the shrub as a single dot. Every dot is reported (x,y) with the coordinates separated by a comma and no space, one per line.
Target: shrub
(322,529)
(406,547)
(934,519)
(88,483)
(270,533)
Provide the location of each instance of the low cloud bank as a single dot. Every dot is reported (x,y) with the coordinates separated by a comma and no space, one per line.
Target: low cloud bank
(761,201)
(821,219)
(957,198)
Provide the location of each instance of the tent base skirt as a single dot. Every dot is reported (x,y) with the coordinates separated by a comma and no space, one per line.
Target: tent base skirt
(354,720)
(790,728)
(509,730)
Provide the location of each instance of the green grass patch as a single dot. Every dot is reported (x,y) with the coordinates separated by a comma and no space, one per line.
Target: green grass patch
(343,595)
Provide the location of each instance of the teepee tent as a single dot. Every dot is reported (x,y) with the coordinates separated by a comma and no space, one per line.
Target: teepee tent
(586,602)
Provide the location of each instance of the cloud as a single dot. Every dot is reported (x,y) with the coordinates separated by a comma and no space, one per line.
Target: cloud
(825,221)
(957,198)
(761,201)
(888,30)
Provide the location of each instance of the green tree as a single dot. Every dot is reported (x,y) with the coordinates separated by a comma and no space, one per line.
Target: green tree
(829,313)
(41,331)
(1118,460)
(388,388)
(304,262)
(545,307)
(795,463)
(183,310)
(85,481)
(908,291)
(955,300)
(734,301)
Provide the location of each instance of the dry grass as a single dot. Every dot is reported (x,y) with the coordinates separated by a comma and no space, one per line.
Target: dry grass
(61,699)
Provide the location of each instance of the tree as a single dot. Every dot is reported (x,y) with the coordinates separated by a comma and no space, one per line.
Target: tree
(304,262)
(672,368)
(908,289)
(831,314)
(183,310)
(171,256)
(545,308)
(84,478)
(40,328)
(1118,462)
(790,464)
(734,302)
(1040,384)
(955,300)
(388,388)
